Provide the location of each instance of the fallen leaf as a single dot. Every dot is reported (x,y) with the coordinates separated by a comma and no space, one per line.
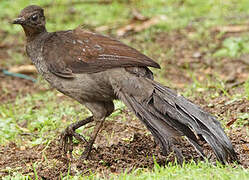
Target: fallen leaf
(24,69)
(137,16)
(102,28)
(3,45)
(245,147)
(137,27)
(59,94)
(197,55)
(232,28)
(22,148)
(23,128)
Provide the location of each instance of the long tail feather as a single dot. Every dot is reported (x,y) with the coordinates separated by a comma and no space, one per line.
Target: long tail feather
(168,115)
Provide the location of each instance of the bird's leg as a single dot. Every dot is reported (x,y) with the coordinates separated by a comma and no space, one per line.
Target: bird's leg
(100,111)
(69,133)
(88,148)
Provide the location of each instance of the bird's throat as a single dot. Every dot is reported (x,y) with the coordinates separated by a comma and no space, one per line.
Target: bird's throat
(32,33)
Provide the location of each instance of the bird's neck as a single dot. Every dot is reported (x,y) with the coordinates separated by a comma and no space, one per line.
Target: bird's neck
(32,33)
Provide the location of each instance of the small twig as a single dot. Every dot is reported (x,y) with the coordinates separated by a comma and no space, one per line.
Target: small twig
(233,85)
(231,122)
(29,134)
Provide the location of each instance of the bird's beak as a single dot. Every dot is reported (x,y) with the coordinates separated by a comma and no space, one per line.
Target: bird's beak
(19,20)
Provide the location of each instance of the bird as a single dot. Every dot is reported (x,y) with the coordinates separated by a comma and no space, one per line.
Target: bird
(94,70)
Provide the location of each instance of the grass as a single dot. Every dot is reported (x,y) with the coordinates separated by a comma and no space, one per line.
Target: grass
(188,171)
(42,120)
(63,15)
(36,118)
(201,171)
(233,47)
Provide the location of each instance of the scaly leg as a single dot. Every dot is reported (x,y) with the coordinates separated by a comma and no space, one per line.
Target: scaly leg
(88,148)
(100,111)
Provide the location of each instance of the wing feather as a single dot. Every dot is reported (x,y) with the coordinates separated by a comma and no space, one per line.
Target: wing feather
(80,51)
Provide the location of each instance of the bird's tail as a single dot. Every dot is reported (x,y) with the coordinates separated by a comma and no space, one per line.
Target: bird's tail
(168,115)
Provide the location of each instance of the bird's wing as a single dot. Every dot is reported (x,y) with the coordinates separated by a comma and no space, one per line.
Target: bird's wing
(70,52)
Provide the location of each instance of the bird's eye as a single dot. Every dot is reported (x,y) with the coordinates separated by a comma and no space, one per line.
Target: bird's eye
(34,17)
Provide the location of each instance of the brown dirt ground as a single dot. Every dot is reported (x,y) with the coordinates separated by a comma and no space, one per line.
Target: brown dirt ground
(125,145)
(139,152)
(12,87)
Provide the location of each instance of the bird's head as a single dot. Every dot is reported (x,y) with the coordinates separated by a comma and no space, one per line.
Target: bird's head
(32,20)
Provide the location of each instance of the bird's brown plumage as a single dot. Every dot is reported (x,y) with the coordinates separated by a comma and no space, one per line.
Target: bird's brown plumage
(81,51)
(95,69)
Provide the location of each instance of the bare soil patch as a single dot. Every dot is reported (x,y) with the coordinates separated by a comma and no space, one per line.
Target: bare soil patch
(12,87)
(193,56)
(140,152)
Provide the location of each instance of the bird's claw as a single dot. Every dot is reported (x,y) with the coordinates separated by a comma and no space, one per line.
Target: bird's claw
(67,140)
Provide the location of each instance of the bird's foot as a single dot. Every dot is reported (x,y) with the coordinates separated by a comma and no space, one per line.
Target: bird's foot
(87,151)
(67,135)
(67,139)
